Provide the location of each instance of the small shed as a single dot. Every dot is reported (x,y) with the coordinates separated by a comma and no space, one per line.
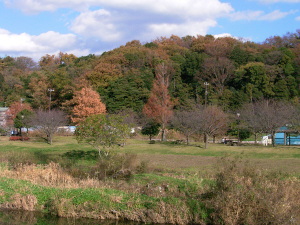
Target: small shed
(287,136)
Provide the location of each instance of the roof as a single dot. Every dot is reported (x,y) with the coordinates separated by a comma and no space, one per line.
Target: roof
(3,109)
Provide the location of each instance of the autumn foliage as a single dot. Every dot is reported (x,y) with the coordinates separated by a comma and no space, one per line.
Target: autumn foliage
(159,106)
(87,102)
(15,108)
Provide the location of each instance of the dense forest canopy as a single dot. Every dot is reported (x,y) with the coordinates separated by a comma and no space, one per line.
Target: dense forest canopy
(235,71)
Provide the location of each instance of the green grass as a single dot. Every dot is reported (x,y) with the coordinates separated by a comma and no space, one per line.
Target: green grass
(65,144)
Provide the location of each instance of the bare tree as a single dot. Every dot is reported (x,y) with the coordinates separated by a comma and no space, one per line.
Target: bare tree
(47,122)
(249,120)
(184,121)
(211,121)
(268,116)
(218,71)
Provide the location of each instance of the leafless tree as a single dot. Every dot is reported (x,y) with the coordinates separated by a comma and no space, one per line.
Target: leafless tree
(267,116)
(218,71)
(47,122)
(184,121)
(250,121)
(211,121)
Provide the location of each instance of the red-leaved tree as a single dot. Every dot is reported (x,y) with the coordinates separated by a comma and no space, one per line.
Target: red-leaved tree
(86,102)
(14,109)
(159,106)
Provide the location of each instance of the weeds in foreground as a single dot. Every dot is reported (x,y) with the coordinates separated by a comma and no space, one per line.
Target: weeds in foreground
(238,193)
(243,194)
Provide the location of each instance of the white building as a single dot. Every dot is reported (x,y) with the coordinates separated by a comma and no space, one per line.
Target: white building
(3,116)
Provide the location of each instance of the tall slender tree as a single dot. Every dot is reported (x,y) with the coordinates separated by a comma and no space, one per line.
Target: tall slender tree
(159,106)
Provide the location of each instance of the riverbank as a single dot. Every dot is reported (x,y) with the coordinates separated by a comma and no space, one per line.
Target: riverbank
(151,198)
(145,198)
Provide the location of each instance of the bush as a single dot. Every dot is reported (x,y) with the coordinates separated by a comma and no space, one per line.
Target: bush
(118,166)
(19,138)
(242,194)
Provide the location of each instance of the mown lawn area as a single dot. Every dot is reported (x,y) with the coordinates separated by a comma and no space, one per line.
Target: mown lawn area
(167,154)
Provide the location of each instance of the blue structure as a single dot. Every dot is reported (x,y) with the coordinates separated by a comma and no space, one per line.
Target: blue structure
(287,137)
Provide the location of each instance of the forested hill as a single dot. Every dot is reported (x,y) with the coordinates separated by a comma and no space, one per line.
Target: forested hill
(236,72)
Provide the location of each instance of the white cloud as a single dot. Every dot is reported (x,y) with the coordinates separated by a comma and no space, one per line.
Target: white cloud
(98,24)
(188,28)
(260,15)
(298,18)
(36,46)
(121,19)
(224,35)
(204,8)
(114,22)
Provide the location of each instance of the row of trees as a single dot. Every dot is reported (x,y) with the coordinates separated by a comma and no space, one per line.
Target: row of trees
(237,72)
(264,116)
(157,79)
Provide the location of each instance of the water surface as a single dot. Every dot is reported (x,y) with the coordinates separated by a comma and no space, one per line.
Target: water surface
(13,217)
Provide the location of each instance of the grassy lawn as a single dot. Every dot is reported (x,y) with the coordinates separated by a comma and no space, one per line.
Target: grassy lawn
(64,144)
(168,154)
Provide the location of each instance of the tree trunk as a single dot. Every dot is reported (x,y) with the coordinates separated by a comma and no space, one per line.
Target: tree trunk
(49,137)
(255,138)
(206,140)
(273,138)
(163,135)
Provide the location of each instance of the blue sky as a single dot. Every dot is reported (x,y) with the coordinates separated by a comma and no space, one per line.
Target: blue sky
(34,28)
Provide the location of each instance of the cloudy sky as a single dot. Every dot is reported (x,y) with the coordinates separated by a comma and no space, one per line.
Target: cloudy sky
(35,28)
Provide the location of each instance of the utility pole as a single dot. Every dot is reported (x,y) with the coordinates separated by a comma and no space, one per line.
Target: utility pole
(238,127)
(206,93)
(50,90)
(205,105)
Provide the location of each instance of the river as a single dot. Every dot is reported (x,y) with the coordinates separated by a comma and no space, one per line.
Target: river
(13,217)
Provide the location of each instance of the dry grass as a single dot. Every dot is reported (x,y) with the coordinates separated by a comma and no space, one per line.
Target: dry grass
(19,202)
(51,175)
(244,194)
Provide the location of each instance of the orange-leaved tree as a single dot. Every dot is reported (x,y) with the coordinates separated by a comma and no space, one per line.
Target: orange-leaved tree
(160,106)
(14,109)
(86,102)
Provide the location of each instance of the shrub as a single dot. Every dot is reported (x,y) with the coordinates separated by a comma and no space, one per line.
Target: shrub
(18,138)
(118,166)
(242,194)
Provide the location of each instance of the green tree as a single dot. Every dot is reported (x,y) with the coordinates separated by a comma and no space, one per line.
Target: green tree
(22,119)
(151,129)
(281,90)
(253,79)
(103,132)
(128,92)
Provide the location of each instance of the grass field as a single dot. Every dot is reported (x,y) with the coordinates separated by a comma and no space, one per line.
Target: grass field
(170,155)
